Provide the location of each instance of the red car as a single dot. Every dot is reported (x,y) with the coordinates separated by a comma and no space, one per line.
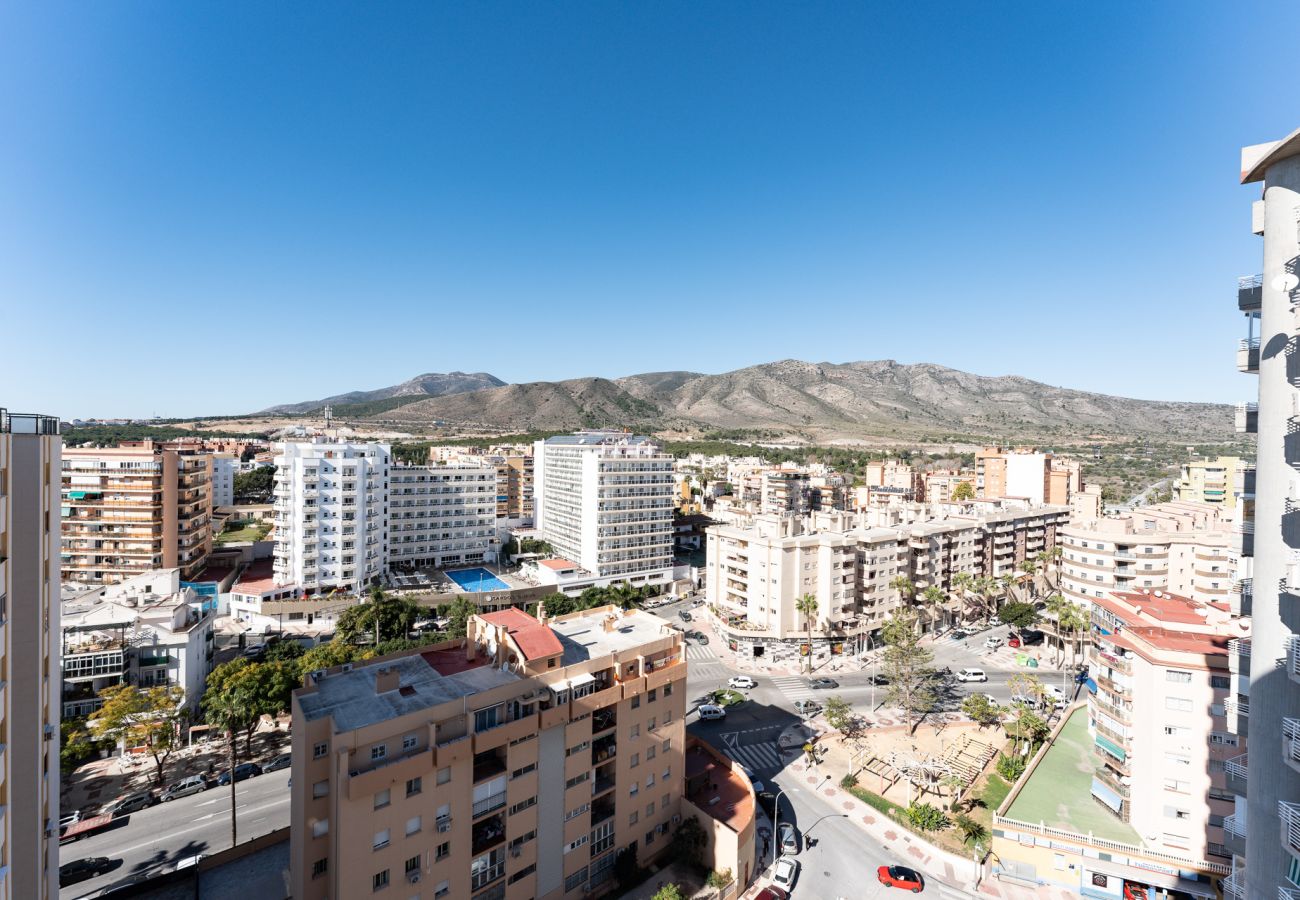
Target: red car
(1014,642)
(900,877)
(772,892)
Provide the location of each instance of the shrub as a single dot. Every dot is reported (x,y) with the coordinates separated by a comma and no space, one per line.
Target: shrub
(849,781)
(1010,767)
(719,879)
(926,817)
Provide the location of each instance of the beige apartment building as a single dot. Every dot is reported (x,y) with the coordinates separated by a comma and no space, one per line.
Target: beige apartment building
(1212,481)
(515,763)
(1036,476)
(29,657)
(134,508)
(1185,548)
(515,487)
(1162,719)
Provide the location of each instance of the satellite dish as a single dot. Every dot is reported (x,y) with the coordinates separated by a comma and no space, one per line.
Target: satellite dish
(1286,282)
(492,647)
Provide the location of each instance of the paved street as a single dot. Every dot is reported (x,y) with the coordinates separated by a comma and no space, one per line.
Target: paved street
(169,833)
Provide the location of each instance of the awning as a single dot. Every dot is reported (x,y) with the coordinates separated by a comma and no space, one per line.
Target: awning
(580,680)
(77,495)
(1152,876)
(1092,685)
(1111,747)
(1103,792)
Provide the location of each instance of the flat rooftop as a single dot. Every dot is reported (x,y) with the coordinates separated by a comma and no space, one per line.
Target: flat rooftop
(584,637)
(715,788)
(350,698)
(1058,792)
(258,578)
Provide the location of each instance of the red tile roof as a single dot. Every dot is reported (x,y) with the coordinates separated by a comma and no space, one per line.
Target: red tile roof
(535,640)
(559,565)
(258,578)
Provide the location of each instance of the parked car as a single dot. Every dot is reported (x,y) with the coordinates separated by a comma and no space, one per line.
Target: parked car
(807,707)
(1081,677)
(900,877)
(880,679)
(785,872)
(1014,642)
(710,711)
(823,684)
(959,634)
(971,675)
(129,803)
(242,771)
(698,636)
(70,819)
(772,892)
(85,828)
(283,761)
(81,869)
(183,788)
(993,642)
(1023,700)
(788,836)
(741,682)
(684,616)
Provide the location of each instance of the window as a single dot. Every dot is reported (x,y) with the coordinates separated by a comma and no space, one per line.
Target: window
(1220,681)
(649,754)
(666,745)
(633,818)
(380,881)
(444,775)
(414,786)
(381,840)
(523,805)
(413,864)
(651,725)
(577,811)
(574,845)
(652,695)
(577,780)
(378,752)
(485,719)
(650,809)
(632,791)
(668,689)
(523,873)
(320,789)
(664,801)
(636,702)
(319,750)
(383,798)
(1223,739)
(1178,759)
(523,839)
(668,771)
(668,716)
(577,748)
(650,781)
(320,867)
(1177,730)
(1178,677)
(320,828)
(634,761)
(408,742)
(577,879)
(413,825)
(1178,704)
(520,773)
(649,837)
(443,851)
(1173,812)
(634,732)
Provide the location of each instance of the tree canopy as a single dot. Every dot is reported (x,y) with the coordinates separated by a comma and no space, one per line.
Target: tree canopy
(149,718)
(255,484)
(390,616)
(906,662)
(1018,615)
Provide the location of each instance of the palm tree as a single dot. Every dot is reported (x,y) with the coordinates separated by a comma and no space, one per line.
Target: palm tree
(934,598)
(1059,608)
(962,583)
(1078,622)
(1028,567)
(227,711)
(807,607)
(972,831)
(906,589)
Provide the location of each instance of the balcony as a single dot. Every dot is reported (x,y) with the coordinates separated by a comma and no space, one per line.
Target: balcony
(489,833)
(1239,655)
(1234,834)
(1234,886)
(1248,356)
(604,719)
(1113,780)
(1291,743)
(1246,418)
(488,804)
(489,764)
(1235,769)
(1289,815)
(1237,712)
(603,749)
(1250,293)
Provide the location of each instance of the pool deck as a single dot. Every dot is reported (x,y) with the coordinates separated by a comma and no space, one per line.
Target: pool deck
(1058,792)
(473,584)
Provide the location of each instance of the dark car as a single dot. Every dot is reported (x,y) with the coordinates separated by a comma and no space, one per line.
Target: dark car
(129,803)
(880,679)
(1081,677)
(900,877)
(283,761)
(81,869)
(684,616)
(767,800)
(242,771)
(823,684)
(698,636)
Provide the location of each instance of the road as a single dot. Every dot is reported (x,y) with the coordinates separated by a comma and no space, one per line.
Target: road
(844,861)
(171,833)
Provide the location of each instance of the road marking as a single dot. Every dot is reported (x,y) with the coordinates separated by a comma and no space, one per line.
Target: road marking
(121,851)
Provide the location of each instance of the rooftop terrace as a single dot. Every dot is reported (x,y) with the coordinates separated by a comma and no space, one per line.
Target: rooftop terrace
(714,787)
(584,637)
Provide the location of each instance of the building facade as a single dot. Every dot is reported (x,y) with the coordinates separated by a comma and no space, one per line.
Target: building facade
(1210,481)
(29,656)
(515,487)
(331,520)
(604,500)
(1272,859)
(224,468)
(135,508)
(514,764)
(442,515)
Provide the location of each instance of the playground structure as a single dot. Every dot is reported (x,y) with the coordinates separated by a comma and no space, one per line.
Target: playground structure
(907,767)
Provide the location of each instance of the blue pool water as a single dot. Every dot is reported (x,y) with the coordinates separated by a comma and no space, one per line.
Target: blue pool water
(477,580)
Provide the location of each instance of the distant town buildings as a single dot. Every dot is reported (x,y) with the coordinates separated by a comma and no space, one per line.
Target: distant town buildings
(135,508)
(224,468)
(1033,475)
(1210,481)
(442,515)
(29,655)
(604,500)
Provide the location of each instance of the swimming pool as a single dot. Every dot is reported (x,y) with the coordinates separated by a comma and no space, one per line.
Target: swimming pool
(477,580)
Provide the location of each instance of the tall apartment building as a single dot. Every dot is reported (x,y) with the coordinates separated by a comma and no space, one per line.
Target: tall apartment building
(1160,719)
(1036,476)
(939,486)
(29,656)
(1272,859)
(224,468)
(604,500)
(135,508)
(1209,481)
(515,487)
(442,515)
(330,514)
(517,763)
(1181,547)
(148,631)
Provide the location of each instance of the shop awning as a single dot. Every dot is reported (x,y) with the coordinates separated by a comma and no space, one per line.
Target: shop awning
(77,495)
(1103,792)
(1111,747)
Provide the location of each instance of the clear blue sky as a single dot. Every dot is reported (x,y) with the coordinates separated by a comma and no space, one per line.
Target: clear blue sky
(210,208)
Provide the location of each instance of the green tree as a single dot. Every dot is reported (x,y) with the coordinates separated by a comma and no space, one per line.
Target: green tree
(255,485)
(972,831)
(963,584)
(458,613)
(906,663)
(380,617)
(262,688)
(963,491)
(688,842)
(981,709)
(149,718)
(284,651)
(926,817)
(719,879)
(1010,767)
(669,891)
(933,599)
(806,606)
(1018,615)
(77,744)
(325,656)
(839,715)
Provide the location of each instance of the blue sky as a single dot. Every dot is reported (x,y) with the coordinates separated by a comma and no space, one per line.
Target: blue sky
(211,208)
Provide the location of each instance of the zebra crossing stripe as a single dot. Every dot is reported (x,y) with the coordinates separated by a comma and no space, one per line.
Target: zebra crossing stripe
(756,756)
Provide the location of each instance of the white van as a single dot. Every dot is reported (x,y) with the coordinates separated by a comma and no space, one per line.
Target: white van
(971,675)
(710,711)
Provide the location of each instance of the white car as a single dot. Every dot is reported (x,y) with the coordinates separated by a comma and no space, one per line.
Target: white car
(710,711)
(785,872)
(741,682)
(971,675)
(993,643)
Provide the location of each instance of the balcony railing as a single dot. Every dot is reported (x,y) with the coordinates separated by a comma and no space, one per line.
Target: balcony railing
(1236,767)
(1289,815)
(1246,419)
(1239,652)
(1234,886)
(487,804)
(1235,826)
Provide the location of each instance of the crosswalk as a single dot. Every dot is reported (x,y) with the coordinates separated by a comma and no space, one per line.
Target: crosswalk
(703,664)
(756,749)
(794,687)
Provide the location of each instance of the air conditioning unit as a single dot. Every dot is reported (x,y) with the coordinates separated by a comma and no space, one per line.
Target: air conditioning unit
(317,674)
(413,876)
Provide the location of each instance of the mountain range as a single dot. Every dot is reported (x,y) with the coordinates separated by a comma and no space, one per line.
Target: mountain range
(822,401)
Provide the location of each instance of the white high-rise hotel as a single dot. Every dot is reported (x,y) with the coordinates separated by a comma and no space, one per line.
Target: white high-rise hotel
(331,514)
(604,500)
